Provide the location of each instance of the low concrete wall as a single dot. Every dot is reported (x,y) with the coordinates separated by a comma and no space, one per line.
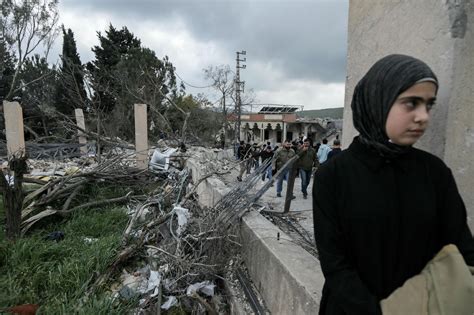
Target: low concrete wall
(288,278)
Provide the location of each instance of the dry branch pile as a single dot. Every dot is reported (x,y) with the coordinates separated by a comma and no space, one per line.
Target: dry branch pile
(70,192)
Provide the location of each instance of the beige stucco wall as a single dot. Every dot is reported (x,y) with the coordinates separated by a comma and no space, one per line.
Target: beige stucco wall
(439,32)
(459,149)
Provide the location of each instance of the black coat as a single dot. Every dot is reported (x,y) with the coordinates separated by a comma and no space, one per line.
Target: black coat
(265,155)
(334,152)
(379,221)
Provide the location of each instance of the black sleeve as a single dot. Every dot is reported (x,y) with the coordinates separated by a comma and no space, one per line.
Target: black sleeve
(453,219)
(342,280)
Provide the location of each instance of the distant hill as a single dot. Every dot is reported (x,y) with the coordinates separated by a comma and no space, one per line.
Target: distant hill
(335,113)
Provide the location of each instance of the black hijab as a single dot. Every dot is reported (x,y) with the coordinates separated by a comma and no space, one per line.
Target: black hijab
(375,94)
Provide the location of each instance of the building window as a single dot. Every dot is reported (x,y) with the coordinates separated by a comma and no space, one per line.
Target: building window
(279,136)
(289,135)
(266,134)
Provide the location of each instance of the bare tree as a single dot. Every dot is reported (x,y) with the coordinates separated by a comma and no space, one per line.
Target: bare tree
(222,79)
(24,25)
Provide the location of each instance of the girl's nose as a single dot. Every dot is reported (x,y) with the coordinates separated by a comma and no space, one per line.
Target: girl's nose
(422,114)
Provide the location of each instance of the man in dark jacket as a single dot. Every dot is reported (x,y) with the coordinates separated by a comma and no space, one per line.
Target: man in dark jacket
(267,155)
(244,154)
(281,157)
(336,149)
(305,164)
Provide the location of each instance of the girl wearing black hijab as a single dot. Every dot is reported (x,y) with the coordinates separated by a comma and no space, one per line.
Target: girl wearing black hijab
(383,209)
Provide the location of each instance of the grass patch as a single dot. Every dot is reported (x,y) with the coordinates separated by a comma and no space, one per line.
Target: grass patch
(55,274)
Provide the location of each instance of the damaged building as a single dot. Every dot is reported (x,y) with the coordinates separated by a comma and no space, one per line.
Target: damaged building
(276,123)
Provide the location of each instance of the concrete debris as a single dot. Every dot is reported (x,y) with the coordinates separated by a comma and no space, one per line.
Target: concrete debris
(61,168)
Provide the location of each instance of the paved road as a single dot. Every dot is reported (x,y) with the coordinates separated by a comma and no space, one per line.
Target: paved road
(300,209)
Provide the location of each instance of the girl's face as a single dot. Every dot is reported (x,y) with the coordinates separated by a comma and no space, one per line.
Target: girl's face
(410,114)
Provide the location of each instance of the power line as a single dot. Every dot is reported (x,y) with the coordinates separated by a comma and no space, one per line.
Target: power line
(191,85)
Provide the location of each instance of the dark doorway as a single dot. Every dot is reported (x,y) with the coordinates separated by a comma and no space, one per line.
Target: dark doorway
(279,136)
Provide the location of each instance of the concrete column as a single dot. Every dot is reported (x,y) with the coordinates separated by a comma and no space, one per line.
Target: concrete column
(283,136)
(81,124)
(306,127)
(443,39)
(262,134)
(14,127)
(141,135)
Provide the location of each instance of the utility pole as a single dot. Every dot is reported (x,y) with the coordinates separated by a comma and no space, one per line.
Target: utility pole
(239,87)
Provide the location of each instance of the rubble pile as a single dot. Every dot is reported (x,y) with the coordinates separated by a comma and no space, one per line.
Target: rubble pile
(172,253)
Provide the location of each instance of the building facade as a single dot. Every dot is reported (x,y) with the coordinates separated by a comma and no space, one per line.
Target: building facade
(276,124)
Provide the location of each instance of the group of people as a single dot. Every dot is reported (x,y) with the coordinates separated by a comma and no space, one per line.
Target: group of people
(250,155)
(309,157)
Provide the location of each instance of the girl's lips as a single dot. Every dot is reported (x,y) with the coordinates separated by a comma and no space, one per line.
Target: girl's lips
(416,131)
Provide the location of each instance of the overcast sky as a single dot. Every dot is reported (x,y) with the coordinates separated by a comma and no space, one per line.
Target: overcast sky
(296,49)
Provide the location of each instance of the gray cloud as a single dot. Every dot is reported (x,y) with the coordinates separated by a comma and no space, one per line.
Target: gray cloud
(305,38)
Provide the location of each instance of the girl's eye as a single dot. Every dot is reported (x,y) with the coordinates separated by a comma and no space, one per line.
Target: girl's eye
(410,104)
(429,106)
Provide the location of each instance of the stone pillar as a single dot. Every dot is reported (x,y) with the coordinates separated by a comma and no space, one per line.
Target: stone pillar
(283,136)
(81,124)
(306,127)
(141,135)
(443,39)
(14,127)
(262,134)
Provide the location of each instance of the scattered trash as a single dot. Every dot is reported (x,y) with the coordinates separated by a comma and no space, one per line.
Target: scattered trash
(127,293)
(205,287)
(90,240)
(154,283)
(25,309)
(10,179)
(183,216)
(140,282)
(55,236)
(160,160)
(172,301)
(153,253)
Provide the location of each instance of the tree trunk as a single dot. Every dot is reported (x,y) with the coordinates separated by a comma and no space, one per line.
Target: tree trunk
(11,183)
(45,126)
(99,149)
(224,111)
